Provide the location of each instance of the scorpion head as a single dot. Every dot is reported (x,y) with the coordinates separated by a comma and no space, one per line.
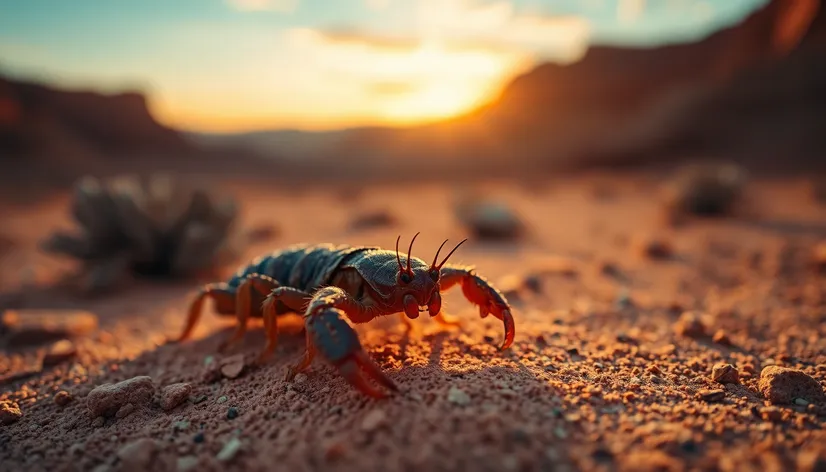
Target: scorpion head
(417,284)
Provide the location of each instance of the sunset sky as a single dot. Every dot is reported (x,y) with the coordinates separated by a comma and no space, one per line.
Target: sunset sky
(233,65)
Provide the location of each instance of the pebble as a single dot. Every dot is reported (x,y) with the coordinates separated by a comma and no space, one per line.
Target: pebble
(33,326)
(63,398)
(458,396)
(107,399)
(98,422)
(232,413)
(655,248)
(125,411)
(175,394)
(373,420)
(712,396)
(60,351)
(229,450)
(232,366)
(137,455)
(9,412)
(690,324)
(199,437)
(725,373)
(222,399)
(490,220)
(720,337)
(782,386)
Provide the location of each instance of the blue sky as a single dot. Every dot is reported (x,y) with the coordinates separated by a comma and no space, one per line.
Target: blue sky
(251,64)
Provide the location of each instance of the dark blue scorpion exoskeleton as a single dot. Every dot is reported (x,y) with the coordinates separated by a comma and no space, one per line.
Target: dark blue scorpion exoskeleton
(332,284)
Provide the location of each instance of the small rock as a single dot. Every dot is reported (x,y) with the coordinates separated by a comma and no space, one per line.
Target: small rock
(690,325)
(458,396)
(63,398)
(489,219)
(373,420)
(712,396)
(720,337)
(125,411)
(9,412)
(229,450)
(705,189)
(656,248)
(199,437)
(781,386)
(137,455)
(98,422)
(725,373)
(107,399)
(175,394)
(801,402)
(60,351)
(232,413)
(37,326)
(221,399)
(187,463)
(232,366)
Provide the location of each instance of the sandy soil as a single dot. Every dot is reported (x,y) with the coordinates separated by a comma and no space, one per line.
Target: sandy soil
(603,375)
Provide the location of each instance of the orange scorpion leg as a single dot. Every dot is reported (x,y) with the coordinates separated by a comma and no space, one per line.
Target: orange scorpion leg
(243,305)
(295,300)
(224,298)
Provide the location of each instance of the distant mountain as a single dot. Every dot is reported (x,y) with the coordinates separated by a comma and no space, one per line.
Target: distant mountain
(61,133)
(615,106)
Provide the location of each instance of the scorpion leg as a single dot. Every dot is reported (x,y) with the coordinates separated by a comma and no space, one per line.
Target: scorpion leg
(294,299)
(481,293)
(224,298)
(338,343)
(243,305)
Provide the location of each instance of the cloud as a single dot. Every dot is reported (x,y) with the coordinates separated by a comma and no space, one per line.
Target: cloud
(392,88)
(629,11)
(355,37)
(264,5)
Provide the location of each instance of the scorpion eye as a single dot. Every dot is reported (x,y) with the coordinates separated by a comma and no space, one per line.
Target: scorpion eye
(406,277)
(434,274)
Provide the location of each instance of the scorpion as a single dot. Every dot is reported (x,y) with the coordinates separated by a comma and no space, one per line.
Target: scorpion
(330,284)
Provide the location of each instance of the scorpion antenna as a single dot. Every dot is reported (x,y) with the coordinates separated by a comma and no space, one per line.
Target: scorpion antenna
(451,253)
(433,266)
(399,259)
(410,252)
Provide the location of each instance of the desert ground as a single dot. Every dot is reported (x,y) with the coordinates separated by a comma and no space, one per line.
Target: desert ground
(621,319)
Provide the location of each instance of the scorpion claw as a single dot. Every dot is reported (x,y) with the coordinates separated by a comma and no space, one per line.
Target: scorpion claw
(336,340)
(490,302)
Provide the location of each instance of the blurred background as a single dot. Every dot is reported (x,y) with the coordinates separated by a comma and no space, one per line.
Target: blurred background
(418,89)
(324,120)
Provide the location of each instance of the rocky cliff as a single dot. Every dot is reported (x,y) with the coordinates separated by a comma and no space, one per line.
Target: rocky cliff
(63,133)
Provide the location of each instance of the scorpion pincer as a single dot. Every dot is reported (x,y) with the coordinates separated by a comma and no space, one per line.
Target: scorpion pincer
(330,285)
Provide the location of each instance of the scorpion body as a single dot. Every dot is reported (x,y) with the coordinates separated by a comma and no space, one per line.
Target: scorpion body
(330,284)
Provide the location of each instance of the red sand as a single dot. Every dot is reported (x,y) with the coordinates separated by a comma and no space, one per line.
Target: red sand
(598,378)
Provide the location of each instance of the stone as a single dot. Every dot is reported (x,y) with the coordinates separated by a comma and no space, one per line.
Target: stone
(781,386)
(107,399)
(175,394)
